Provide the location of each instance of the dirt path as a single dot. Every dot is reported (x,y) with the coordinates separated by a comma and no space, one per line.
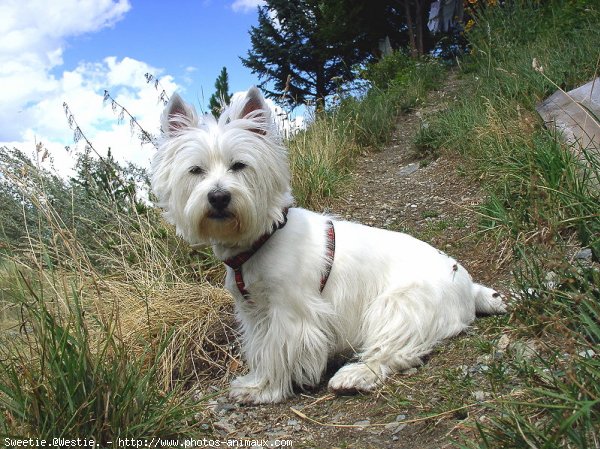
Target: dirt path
(425,407)
(433,199)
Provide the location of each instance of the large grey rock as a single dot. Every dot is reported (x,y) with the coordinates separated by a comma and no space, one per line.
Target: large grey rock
(572,113)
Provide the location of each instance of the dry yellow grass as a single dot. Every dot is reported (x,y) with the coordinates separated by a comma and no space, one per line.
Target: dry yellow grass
(197,319)
(146,287)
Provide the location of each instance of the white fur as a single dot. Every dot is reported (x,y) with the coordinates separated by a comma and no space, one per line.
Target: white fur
(389,296)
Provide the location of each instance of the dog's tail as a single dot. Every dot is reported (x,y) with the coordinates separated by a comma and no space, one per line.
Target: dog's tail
(487,301)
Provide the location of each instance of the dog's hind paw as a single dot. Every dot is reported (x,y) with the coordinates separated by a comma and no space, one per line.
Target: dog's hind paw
(355,378)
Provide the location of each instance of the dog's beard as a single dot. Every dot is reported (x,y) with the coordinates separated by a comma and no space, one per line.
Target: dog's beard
(224,229)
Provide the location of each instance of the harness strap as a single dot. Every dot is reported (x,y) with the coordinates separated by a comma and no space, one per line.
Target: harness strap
(236,262)
(329,253)
(239,280)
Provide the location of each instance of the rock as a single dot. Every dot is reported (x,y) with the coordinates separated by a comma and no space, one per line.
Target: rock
(292,422)
(408,169)
(503,342)
(391,426)
(399,428)
(363,423)
(584,254)
(479,396)
(483,359)
(551,280)
(222,406)
(525,349)
(589,353)
(568,112)
(338,418)
(224,426)
(400,418)
(395,427)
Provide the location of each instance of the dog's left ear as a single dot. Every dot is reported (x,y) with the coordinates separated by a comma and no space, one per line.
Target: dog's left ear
(177,115)
(256,109)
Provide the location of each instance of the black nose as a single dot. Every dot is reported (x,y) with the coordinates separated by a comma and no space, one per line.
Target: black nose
(219,199)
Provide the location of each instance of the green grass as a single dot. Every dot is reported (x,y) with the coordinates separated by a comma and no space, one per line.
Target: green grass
(320,159)
(542,205)
(61,378)
(552,399)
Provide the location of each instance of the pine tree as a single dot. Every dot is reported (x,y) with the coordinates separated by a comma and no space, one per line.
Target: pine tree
(222,96)
(306,48)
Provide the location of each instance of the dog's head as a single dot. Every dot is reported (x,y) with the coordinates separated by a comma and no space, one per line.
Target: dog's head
(222,181)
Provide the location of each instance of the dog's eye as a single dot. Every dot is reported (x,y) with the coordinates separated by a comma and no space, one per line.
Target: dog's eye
(238,166)
(195,170)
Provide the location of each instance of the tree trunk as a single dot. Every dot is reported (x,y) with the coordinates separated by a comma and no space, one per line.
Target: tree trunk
(419,26)
(411,29)
(320,90)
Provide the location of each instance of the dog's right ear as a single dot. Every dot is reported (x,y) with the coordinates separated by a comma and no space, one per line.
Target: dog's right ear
(177,116)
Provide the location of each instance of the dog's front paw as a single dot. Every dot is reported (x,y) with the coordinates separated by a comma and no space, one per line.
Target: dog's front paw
(247,391)
(353,378)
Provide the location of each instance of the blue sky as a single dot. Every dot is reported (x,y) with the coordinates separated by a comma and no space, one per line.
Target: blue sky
(71,50)
(190,39)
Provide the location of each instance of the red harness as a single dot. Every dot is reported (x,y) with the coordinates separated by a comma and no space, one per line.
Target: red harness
(236,262)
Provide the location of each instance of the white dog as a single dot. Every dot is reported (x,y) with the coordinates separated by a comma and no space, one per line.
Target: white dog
(306,286)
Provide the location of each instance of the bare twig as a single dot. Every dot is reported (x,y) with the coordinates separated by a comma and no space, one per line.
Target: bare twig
(145,136)
(408,421)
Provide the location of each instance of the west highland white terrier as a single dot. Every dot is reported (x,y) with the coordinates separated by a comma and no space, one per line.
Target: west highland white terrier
(306,286)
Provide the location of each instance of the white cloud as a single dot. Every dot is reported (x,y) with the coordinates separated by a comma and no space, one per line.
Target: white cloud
(246,5)
(34,36)
(187,77)
(83,90)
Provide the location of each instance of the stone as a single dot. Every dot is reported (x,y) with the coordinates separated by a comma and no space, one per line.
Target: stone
(589,353)
(479,396)
(408,169)
(503,342)
(399,428)
(525,349)
(363,423)
(584,254)
(563,111)
(224,426)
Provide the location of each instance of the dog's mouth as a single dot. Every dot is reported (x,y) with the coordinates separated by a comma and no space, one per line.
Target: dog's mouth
(220,225)
(219,215)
